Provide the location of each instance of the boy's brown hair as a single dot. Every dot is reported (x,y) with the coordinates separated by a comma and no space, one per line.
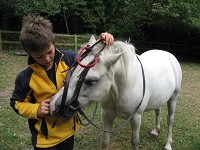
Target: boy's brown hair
(36,34)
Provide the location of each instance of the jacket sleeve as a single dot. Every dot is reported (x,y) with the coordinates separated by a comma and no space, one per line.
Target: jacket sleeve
(22,100)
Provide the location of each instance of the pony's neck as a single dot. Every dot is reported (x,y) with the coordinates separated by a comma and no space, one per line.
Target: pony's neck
(126,72)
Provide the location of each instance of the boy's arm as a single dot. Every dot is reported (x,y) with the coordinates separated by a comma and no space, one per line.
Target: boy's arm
(21,101)
(26,109)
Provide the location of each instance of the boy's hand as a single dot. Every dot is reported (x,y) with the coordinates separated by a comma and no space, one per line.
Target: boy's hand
(43,108)
(107,38)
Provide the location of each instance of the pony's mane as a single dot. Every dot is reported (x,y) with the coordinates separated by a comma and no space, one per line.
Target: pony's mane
(127,49)
(119,46)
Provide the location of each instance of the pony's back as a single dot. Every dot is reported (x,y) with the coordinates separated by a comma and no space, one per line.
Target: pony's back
(163,75)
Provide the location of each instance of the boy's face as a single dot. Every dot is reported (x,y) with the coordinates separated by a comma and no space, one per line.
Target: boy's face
(46,57)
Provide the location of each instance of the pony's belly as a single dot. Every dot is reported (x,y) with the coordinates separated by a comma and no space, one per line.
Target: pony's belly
(156,102)
(150,108)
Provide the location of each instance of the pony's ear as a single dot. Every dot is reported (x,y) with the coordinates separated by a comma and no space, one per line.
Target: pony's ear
(92,40)
(128,41)
(112,59)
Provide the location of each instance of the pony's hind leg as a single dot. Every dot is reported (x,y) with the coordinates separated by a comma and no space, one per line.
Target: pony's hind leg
(155,132)
(171,104)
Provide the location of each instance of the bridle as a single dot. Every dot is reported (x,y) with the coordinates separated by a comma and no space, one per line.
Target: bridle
(70,109)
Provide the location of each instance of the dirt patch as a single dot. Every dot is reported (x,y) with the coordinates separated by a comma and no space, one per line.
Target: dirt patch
(2,55)
(6,93)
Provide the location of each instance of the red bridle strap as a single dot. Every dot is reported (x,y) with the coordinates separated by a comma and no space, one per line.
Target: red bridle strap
(93,63)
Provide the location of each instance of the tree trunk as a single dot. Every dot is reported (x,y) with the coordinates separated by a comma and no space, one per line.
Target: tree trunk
(66,24)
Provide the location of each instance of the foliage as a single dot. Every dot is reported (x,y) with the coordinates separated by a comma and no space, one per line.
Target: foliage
(125,18)
(132,17)
(83,10)
(174,13)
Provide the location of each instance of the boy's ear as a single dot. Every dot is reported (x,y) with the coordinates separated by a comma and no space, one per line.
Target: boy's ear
(92,40)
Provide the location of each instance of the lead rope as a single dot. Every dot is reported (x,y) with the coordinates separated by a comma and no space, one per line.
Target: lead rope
(90,120)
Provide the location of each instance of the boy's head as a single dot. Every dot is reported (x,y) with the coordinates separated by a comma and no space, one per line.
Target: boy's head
(36,34)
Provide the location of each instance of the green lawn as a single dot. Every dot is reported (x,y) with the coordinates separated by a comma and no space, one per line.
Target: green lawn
(14,132)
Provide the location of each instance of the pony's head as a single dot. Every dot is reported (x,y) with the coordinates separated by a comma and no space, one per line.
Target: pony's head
(99,78)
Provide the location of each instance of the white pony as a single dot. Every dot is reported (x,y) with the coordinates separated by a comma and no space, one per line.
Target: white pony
(117,83)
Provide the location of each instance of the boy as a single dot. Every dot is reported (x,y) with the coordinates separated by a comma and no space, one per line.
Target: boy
(35,85)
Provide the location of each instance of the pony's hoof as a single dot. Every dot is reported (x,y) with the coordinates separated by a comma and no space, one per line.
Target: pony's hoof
(104,147)
(168,147)
(154,133)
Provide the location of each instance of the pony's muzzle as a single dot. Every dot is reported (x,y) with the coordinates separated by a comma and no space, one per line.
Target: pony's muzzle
(52,108)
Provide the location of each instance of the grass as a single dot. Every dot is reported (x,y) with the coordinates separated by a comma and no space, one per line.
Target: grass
(15,135)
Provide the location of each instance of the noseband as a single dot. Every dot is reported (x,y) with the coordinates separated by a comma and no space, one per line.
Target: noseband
(68,109)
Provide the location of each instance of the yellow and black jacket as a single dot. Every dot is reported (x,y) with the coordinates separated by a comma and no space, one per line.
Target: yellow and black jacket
(33,85)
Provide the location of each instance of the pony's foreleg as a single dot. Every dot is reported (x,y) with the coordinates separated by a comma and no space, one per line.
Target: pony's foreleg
(135,125)
(171,104)
(107,126)
(156,130)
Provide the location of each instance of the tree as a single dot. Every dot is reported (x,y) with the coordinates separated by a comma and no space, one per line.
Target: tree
(91,13)
(69,8)
(125,18)
(137,19)
(46,8)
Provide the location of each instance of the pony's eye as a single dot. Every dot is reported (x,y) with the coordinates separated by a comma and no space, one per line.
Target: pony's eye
(91,81)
